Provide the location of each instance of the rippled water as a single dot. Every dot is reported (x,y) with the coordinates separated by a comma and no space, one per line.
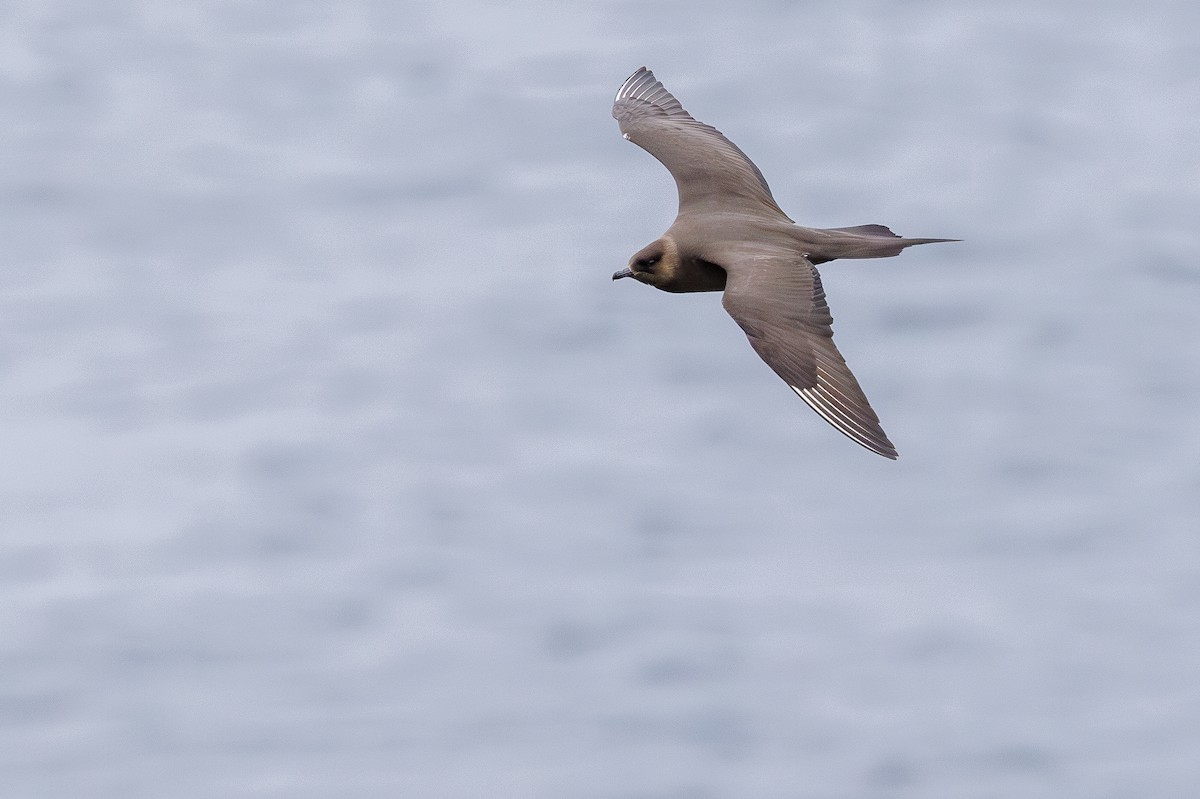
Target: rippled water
(338,466)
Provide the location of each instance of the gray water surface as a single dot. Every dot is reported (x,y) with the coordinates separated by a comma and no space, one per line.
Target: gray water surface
(336,465)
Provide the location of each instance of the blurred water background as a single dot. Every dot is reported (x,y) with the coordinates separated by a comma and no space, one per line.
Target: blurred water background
(336,465)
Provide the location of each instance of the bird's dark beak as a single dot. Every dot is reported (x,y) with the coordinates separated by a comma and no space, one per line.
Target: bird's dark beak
(622,273)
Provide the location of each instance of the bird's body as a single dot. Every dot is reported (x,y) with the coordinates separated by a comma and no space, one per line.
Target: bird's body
(731,236)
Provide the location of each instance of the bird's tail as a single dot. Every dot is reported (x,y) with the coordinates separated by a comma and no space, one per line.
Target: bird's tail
(867,241)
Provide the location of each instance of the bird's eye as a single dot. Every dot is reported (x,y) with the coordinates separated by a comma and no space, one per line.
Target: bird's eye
(649,261)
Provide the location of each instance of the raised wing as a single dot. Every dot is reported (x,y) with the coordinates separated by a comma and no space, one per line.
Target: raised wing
(709,170)
(778,301)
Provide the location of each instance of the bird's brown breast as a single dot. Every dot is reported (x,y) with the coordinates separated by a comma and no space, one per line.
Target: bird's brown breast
(695,274)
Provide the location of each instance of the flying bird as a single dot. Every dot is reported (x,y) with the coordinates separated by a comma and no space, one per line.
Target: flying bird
(731,236)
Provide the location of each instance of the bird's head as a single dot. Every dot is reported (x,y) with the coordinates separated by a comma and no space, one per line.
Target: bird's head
(655,265)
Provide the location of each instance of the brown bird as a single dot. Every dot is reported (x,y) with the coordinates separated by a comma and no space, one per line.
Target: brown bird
(731,236)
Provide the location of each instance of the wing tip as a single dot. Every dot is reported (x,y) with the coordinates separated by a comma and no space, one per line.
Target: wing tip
(629,88)
(642,89)
(872,438)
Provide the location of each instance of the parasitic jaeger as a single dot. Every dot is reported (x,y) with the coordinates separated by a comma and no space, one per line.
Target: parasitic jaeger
(731,236)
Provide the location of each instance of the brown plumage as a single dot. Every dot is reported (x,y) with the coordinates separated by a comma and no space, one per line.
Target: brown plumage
(731,236)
